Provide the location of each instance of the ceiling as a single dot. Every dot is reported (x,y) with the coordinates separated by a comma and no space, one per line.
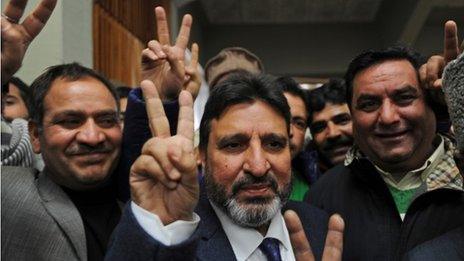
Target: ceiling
(290,11)
(317,38)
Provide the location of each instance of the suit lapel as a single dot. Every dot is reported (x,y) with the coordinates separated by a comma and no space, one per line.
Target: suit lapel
(214,244)
(63,211)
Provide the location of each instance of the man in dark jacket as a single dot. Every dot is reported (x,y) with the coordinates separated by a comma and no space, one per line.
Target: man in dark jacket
(399,186)
(246,183)
(245,153)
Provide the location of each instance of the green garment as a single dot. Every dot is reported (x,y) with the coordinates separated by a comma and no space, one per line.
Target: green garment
(299,187)
(402,198)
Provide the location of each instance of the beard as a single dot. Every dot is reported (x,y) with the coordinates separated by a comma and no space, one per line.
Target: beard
(252,212)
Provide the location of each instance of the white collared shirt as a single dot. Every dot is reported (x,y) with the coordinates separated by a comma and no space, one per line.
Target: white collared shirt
(245,241)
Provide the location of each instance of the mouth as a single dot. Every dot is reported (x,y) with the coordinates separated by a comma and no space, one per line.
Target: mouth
(92,158)
(391,136)
(340,150)
(256,190)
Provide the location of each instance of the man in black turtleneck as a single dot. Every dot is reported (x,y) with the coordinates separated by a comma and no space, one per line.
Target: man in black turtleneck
(68,211)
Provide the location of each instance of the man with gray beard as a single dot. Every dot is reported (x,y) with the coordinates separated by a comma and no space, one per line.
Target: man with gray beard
(236,213)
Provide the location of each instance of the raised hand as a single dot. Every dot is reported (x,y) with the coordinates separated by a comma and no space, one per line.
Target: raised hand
(17,37)
(333,248)
(165,65)
(431,72)
(163,179)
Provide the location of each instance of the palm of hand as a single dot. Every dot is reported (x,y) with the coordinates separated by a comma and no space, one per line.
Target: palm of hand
(14,44)
(16,36)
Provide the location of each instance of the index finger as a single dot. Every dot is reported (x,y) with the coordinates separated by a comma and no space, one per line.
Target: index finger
(184,32)
(185,122)
(194,59)
(162,26)
(15,9)
(451,47)
(159,124)
(301,248)
(35,22)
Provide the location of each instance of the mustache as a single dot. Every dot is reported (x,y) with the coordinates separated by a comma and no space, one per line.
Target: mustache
(83,149)
(341,141)
(249,180)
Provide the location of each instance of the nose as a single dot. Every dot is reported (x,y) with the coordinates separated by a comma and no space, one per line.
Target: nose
(292,131)
(256,162)
(90,134)
(333,130)
(388,113)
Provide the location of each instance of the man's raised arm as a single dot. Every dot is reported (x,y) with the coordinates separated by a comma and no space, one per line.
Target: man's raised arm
(16,36)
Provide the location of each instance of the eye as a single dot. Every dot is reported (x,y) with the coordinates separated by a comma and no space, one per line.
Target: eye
(10,101)
(232,147)
(299,124)
(275,145)
(405,99)
(69,123)
(318,127)
(107,121)
(368,105)
(342,119)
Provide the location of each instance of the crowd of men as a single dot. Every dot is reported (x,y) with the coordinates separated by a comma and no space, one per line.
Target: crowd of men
(380,179)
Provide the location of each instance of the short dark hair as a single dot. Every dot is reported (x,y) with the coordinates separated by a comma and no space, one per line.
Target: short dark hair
(333,92)
(123,91)
(373,57)
(289,85)
(241,87)
(70,72)
(23,88)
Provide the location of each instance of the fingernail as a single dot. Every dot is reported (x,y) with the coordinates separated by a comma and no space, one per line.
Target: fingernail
(172,184)
(174,174)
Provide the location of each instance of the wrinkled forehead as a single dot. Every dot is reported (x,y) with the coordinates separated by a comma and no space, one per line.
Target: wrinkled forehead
(388,75)
(82,94)
(256,116)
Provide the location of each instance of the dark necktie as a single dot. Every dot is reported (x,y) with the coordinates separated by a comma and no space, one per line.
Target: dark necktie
(270,248)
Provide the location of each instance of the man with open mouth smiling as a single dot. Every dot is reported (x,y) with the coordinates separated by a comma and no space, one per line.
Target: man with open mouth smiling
(400,179)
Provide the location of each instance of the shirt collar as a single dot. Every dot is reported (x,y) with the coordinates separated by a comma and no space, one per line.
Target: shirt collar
(414,178)
(245,241)
(442,174)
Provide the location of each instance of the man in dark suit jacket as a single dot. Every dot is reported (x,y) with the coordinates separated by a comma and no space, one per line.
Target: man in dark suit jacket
(209,242)
(246,182)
